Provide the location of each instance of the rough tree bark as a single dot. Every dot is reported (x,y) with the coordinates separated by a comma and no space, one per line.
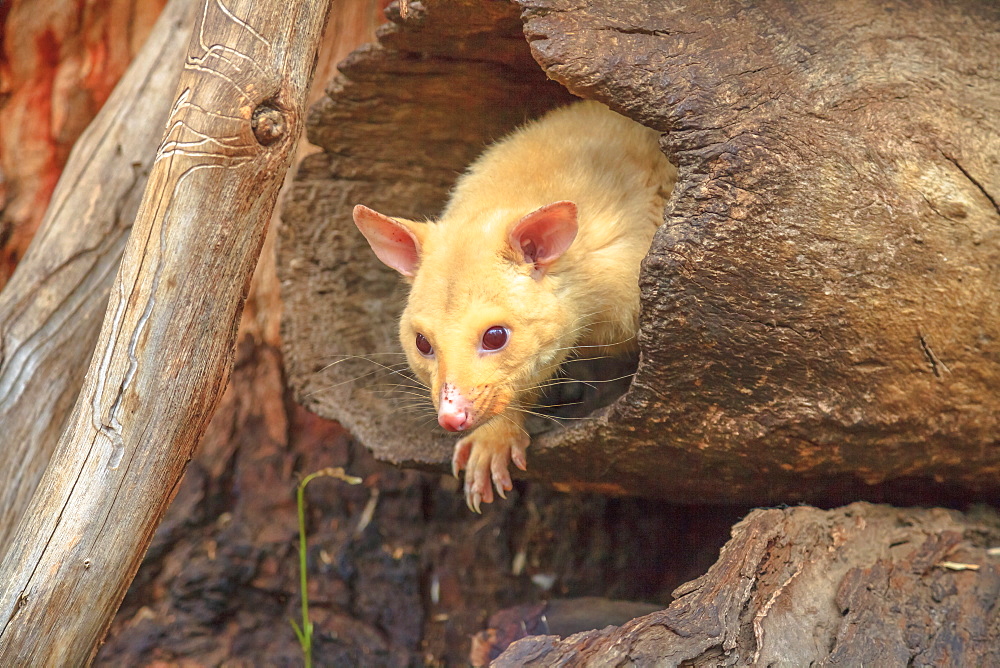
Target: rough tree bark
(59,61)
(50,310)
(858,586)
(819,309)
(165,350)
(219,559)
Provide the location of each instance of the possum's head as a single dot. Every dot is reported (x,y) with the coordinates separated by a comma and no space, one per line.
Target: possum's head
(484,323)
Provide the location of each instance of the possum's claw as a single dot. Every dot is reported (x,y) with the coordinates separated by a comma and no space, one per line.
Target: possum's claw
(473,503)
(461,457)
(519,457)
(486,454)
(501,476)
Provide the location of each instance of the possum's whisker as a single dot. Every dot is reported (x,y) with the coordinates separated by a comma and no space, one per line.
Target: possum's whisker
(396,393)
(507,417)
(597,345)
(404,397)
(367,374)
(419,402)
(348,358)
(569,403)
(423,407)
(415,399)
(406,386)
(556,365)
(404,381)
(412,410)
(327,388)
(392,370)
(579,347)
(554,418)
(418,413)
(560,377)
(409,389)
(587,326)
(529,412)
(425,423)
(544,407)
(574,330)
(527,409)
(560,381)
(591,383)
(364,357)
(585,316)
(343,382)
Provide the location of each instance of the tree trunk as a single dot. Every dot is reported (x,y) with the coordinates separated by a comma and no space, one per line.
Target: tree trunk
(857,586)
(819,308)
(50,311)
(165,350)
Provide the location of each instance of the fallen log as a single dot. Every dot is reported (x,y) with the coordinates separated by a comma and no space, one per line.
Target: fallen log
(859,585)
(819,308)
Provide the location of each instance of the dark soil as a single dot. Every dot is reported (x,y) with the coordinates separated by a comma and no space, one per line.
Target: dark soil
(409,586)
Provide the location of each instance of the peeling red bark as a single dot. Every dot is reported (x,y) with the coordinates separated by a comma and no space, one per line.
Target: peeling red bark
(59,61)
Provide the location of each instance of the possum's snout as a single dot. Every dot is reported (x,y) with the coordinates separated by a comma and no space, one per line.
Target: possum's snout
(455,410)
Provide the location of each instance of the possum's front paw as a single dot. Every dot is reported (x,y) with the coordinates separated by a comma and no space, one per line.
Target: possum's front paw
(485,454)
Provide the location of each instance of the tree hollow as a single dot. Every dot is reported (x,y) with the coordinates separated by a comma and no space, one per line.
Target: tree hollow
(819,321)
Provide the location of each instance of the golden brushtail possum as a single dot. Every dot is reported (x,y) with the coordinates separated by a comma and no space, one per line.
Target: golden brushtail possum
(536,254)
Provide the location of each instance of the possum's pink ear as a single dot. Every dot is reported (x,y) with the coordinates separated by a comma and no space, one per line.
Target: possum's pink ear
(543,235)
(395,242)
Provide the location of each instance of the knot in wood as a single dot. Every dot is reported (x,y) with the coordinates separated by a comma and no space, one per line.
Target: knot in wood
(268,124)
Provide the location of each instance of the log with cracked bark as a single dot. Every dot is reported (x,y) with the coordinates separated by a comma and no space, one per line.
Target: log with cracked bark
(819,319)
(859,585)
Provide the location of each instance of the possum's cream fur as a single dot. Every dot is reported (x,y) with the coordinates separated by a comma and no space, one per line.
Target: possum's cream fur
(468,278)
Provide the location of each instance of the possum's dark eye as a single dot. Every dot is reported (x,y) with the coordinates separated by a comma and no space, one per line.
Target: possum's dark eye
(424,346)
(495,338)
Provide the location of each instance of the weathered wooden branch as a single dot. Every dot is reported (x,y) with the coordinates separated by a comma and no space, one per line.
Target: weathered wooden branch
(50,311)
(165,349)
(820,318)
(859,585)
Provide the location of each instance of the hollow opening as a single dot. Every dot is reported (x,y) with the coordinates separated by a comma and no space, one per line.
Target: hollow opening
(583,386)
(402,123)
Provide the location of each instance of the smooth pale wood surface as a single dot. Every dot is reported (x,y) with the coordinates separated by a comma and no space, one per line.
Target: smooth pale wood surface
(166,346)
(50,311)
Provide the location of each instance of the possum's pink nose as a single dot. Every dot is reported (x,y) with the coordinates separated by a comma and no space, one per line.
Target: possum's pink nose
(454,409)
(453,421)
